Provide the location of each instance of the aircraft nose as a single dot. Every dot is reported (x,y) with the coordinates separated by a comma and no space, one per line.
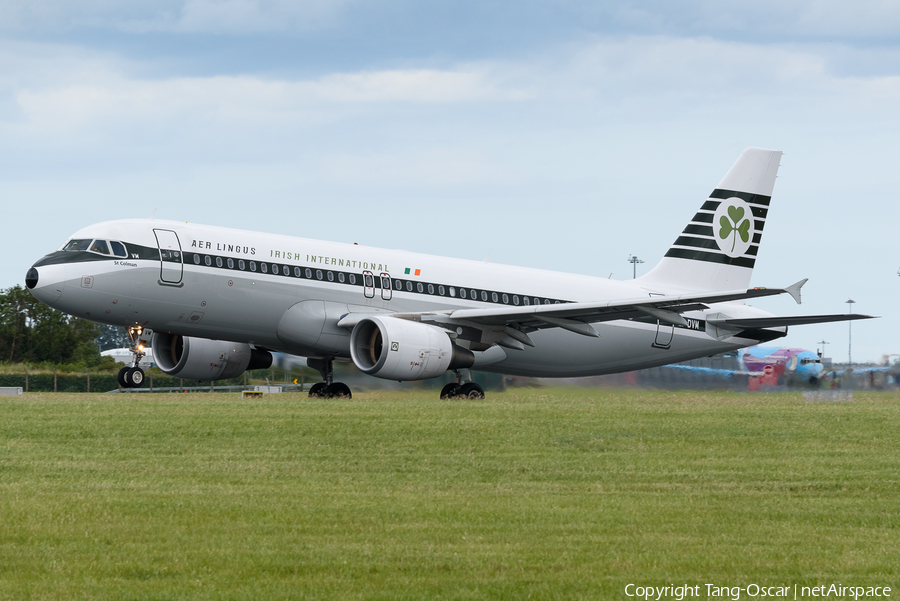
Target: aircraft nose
(45,283)
(31,278)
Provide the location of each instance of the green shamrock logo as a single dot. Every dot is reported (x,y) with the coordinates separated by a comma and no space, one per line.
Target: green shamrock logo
(734,225)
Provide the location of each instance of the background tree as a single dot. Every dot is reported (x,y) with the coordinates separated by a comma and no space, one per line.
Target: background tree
(33,332)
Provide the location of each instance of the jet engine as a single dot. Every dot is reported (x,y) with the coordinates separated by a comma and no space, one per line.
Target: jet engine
(397,349)
(206,360)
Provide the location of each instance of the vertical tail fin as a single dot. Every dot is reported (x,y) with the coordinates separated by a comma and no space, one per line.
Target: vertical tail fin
(717,250)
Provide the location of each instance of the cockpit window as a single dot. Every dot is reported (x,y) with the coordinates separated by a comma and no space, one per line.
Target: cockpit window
(100,246)
(74,245)
(118,249)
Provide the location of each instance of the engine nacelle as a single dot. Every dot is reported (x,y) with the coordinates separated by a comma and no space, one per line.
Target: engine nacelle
(206,360)
(397,349)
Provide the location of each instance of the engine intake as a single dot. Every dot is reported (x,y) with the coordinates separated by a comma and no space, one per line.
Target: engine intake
(397,349)
(205,360)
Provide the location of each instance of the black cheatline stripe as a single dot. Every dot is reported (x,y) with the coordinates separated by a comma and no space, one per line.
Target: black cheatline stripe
(702,230)
(759,212)
(757,238)
(699,255)
(710,205)
(758,199)
(696,242)
(83,256)
(752,250)
(286,270)
(703,217)
(758,225)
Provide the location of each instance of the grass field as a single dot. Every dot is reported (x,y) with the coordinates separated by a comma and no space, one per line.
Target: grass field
(547,494)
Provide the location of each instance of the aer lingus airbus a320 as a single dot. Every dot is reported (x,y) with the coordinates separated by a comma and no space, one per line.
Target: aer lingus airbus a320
(219,301)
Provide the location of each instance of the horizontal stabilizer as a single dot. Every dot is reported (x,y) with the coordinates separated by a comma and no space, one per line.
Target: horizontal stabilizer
(777,322)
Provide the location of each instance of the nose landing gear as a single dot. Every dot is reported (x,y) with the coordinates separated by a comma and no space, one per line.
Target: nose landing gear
(132,376)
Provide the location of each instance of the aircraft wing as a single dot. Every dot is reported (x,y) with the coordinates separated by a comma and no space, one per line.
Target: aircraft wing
(775,322)
(577,317)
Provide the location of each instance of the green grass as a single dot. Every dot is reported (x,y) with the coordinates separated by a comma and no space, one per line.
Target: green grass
(548,494)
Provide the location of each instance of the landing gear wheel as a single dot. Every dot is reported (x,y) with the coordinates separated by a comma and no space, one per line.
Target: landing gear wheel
(471,390)
(135,377)
(123,383)
(450,391)
(337,390)
(317,391)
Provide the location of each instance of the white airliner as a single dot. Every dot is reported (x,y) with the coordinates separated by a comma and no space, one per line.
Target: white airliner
(125,356)
(220,301)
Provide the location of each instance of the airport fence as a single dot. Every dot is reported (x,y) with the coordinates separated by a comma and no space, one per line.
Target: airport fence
(86,382)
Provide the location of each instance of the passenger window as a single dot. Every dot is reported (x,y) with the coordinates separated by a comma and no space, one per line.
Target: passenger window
(241,264)
(74,245)
(309,273)
(318,274)
(441,290)
(408,286)
(483,295)
(462,292)
(252,265)
(527,301)
(218,261)
(274,268)
(100,246)
(546,301)
(420,288)
(516,299)
(196,259)
(494,297)
(263,268)
(430,288)
(297,273)
(330,276)
(398,284)
(118,249)
(207,260)
(341,277)
(352,277)
(505,299)
(230,263)
(452,291)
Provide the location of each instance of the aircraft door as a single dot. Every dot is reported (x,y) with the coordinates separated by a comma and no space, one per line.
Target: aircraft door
(369,284)
(170,257)
(386,289)
(664,334)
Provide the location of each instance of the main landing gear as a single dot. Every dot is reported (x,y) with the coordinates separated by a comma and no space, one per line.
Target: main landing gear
(327,389)
(132,376)
(463,388)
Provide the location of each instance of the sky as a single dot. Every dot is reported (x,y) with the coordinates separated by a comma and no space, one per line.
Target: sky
(560,135)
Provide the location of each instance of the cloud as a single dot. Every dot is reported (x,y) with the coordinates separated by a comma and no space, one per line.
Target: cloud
(172,16)
(242,100)
(92,101)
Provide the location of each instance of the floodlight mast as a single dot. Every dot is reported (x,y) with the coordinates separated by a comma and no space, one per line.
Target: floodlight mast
(850,302)
(634,261)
